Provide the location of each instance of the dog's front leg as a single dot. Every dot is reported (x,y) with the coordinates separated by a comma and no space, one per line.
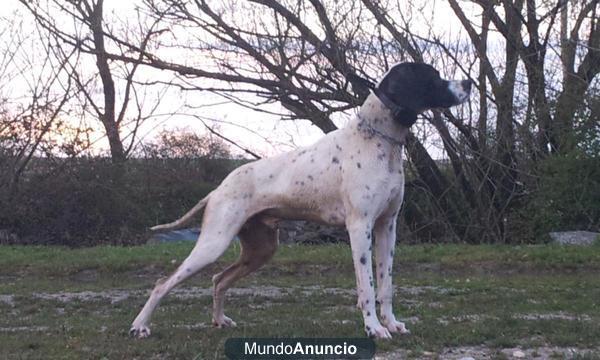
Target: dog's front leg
(385,240)
(360,232)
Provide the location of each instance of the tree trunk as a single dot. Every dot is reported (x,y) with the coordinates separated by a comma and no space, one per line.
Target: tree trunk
(108,118)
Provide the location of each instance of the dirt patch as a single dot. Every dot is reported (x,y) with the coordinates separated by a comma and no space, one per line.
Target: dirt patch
(265,291)
(553,316)
(117,295)
(419,290)
(529,317)
(497,268)
(484,353)
(24,329)
(273,292)
(113,296)
(7,299)
(196,326)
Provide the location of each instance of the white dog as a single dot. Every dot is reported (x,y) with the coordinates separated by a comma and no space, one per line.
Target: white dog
(352,177)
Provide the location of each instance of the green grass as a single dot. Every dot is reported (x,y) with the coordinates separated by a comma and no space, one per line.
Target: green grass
(452,295)
(60,260)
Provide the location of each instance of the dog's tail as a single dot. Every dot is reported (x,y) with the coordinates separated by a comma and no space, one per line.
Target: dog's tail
(182,221)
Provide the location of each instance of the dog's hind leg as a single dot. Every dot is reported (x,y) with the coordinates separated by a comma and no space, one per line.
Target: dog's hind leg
(218,231)
(259,243)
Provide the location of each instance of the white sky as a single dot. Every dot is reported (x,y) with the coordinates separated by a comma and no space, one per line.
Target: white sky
(263,133)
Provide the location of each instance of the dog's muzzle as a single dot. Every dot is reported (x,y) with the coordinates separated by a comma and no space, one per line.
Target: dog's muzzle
(461,89)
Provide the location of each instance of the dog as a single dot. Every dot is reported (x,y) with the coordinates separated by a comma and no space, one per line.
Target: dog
(352,177)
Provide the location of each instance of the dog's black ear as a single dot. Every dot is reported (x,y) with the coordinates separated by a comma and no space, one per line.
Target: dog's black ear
(360,85)
(406,117)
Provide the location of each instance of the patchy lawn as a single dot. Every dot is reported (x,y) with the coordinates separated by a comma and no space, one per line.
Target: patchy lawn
(491,302)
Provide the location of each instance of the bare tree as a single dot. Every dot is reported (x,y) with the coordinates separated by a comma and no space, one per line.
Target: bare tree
(34,96)
(316,58)
(89,36)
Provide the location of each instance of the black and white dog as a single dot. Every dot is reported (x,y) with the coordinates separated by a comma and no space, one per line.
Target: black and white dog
(352,177)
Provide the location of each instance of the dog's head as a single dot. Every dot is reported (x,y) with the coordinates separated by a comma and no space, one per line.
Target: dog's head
(408,89)
(419,87)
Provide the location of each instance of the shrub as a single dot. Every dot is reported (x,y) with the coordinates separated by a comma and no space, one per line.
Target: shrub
(567,196)
(90,201)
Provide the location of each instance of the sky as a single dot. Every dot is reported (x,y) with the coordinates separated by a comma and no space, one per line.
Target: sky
(263,133)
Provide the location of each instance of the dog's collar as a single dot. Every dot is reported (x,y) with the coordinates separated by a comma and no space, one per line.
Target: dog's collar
(401,115)
(363,125)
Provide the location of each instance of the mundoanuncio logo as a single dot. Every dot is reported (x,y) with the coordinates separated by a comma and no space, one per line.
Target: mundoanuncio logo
(299,348)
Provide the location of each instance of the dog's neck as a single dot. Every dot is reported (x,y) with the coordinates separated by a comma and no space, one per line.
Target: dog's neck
(375,117)
(401,114)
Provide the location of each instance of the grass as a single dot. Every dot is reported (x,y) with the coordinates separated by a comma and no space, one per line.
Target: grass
(451,295)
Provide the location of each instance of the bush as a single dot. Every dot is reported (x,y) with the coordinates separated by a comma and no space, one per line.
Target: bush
(85,201)
(567,196)
(91,201)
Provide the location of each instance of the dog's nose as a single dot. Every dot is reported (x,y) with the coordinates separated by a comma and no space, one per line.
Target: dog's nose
(466,84)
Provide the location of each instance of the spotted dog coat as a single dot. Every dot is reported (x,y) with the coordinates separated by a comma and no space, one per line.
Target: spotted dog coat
(352,177)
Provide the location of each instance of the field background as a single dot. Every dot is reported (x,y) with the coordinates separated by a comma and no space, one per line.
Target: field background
(458,300)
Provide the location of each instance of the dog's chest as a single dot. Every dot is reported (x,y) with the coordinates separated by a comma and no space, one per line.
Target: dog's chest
(375,157)
(373,170)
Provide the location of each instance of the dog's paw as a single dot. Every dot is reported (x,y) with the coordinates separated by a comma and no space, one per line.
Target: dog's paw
(395,326)
(224,322)
(378,332)
(139,332)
